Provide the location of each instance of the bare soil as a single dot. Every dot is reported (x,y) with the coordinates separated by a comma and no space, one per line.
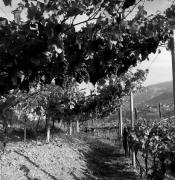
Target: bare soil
(79,157)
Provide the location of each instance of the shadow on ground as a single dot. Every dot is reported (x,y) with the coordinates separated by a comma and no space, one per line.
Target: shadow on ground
(107,162)
(36,165)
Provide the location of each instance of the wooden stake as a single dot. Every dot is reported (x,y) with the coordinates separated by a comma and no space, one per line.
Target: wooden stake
(131,110)
(70,128)
(160,114)
(120,123)
(173,65)
(25,131)
(48,129)
(78,126)
(132,125)
(48,134)
(135,109)
(53,125)
(60,123)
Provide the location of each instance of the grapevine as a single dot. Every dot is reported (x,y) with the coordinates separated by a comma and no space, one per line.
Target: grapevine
(155,142)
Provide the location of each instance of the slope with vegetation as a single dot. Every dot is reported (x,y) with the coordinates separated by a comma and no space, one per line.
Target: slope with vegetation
(155,94)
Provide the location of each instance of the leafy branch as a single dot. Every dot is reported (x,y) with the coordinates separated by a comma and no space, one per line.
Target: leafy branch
(92,17)
(132,9)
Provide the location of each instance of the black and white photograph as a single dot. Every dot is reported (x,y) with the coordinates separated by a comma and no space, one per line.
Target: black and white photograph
(87,89)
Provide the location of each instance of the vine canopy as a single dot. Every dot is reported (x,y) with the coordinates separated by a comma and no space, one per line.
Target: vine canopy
(85,40)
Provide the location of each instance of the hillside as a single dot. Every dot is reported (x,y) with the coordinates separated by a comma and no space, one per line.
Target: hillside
(154,94)
(164,98)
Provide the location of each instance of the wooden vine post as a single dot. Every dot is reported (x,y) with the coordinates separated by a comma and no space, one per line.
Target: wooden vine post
(160,114)
(70,127)
(92,122)
(48,120)
(25,129)
(132,126)
(135,110)
(120,123)
(173,64)
(60,123)
(78,125)
(48,134)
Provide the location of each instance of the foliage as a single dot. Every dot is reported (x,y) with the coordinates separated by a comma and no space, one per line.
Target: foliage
(7,2)
(52,101)
(109,94)
(155,140)
(49,47)
(52,45)
(42,102)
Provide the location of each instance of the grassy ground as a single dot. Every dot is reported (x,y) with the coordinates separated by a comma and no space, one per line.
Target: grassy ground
(79,157)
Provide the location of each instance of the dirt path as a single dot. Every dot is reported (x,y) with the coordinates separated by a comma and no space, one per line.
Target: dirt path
(65,158)
(107,162)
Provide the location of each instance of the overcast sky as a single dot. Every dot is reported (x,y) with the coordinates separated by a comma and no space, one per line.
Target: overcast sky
(159,65)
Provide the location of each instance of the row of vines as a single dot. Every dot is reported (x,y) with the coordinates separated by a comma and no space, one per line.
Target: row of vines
(45,105)
(38,109)
(154,145)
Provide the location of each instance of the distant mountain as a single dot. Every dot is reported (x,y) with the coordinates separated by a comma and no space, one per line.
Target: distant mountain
(164,98)
(153,94)
(162,86)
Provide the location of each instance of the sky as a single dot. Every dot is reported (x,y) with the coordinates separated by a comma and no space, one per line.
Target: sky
(160,66)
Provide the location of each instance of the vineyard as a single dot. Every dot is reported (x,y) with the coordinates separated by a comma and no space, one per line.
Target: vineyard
(153,144)
(49,122)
